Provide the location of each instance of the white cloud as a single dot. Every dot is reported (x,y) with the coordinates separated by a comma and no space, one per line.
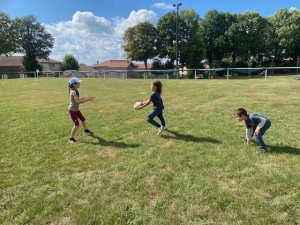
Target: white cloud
(162,5)
(91,38)
(134,18)
(293,8)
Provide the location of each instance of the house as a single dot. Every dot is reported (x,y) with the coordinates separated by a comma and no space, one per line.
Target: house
(13,64)
(116,69)
(142,66)
(10,64)
(50,64)
(78,74)
(88,71)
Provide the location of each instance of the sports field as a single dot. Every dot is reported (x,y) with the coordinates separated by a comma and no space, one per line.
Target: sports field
(197,172)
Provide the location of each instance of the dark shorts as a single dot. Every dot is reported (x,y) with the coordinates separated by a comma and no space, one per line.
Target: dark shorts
(75,115)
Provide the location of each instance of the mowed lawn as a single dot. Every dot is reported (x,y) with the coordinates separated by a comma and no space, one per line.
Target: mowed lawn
(197,172)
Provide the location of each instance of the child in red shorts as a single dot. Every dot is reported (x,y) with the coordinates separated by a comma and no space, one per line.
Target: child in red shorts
(73,108)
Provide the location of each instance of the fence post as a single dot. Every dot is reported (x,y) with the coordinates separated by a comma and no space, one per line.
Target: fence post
(266,73)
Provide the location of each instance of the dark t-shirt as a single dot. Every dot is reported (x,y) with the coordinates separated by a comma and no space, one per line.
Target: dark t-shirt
(157,101)
(254,119)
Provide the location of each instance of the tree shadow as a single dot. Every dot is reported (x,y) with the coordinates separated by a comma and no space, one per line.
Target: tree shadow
(116,144)
(284,150)
(188,137)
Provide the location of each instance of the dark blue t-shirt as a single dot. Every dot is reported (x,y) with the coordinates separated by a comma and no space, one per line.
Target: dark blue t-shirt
(157,101)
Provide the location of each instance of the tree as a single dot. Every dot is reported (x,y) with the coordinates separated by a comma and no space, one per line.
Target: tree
(33,41)
(69,62)
(215,26)
(140,42)
(166,43)
(221,48)
(190,43)
(157,64)
(210,27)
(190,38)
(285,33)
(247,38)
(8,35)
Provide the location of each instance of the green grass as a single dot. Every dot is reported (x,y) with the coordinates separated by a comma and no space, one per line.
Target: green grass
(197,172)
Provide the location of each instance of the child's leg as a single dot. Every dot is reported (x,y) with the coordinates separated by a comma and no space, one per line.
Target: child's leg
(73,131)
(73,115)
(258,138)
(151,116)
(86,130)
(161,118)
(81,117)
(84,125)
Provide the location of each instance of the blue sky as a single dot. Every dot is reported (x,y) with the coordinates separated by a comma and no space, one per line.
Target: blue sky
(92,30)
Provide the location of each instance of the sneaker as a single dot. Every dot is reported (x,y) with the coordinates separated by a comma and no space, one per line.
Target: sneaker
(160,130)
(262,151)
(72,140)
(87,132)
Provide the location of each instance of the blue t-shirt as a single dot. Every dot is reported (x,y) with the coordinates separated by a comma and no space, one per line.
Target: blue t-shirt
(157,101)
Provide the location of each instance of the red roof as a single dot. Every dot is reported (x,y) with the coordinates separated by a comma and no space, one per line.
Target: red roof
(115,64)
(142,66)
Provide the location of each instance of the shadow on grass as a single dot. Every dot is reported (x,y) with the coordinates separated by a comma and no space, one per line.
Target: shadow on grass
(284,149)
(187,137)
(116,144)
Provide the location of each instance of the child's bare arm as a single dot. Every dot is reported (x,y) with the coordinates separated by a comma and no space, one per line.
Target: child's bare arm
(83,99)
(144,104)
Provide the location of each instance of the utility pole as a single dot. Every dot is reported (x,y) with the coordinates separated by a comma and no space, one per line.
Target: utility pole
(297,64)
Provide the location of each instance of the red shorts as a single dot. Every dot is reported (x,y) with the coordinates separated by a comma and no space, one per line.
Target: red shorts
(75,115)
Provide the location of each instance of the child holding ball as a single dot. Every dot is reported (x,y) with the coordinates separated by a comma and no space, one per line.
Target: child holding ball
(158,106)
(256,125)
(73,108)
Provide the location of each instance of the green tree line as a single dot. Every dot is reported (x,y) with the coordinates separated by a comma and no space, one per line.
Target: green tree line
(220,39)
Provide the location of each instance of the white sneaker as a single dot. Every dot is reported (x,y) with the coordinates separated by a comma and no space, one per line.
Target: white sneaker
(160,130)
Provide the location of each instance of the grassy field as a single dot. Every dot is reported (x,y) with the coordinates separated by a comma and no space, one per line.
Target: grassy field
(197,172)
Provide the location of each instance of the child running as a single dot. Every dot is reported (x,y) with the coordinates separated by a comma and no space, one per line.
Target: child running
(73,108)
(158,106)
(256,125)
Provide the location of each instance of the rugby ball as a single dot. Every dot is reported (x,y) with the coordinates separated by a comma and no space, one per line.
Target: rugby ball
(137,105)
